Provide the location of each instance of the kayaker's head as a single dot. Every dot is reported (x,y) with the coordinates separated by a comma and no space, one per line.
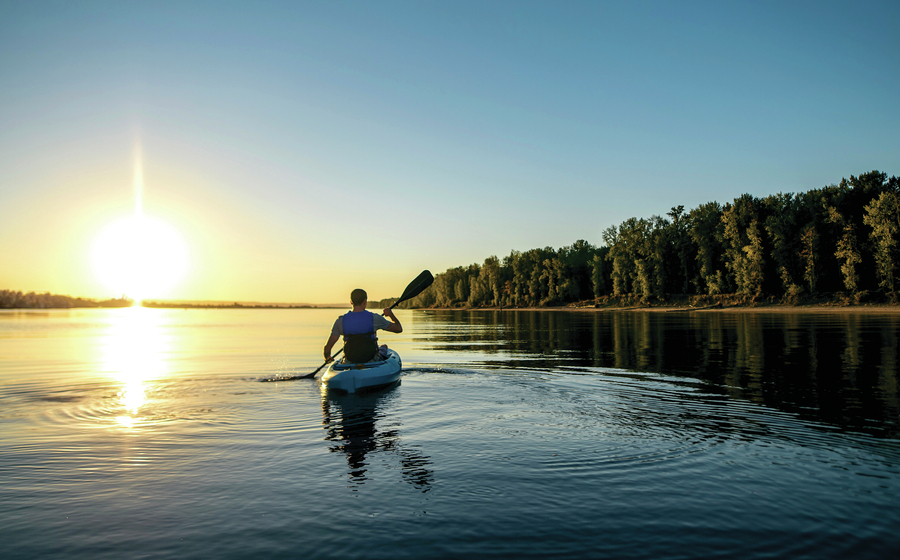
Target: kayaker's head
(359,298)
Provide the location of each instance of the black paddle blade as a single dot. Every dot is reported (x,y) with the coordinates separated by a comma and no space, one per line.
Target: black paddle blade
(415,287)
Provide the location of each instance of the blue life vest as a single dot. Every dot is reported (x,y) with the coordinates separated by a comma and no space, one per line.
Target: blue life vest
(360,342)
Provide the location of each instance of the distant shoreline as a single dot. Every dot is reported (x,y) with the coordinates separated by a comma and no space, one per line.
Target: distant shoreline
(237,305)
(836,303)
(866,309)
(10,299)
(764,308)
(826,303)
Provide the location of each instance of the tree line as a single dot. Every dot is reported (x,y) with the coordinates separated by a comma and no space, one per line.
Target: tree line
(17,300)
(842,238)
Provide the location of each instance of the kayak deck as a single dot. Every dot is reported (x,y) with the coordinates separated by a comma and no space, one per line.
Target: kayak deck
(351,378)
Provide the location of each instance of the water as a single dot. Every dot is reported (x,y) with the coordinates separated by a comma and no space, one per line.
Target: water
(145,433)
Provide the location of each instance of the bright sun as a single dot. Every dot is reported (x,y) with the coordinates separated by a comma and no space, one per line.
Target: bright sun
(139,257)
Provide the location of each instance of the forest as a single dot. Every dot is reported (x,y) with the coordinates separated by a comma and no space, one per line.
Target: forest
(842,240)
(17,300)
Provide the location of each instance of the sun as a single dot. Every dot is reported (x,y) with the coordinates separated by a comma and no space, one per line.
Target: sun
(139,257)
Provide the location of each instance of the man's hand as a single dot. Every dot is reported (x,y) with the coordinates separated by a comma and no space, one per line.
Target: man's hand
(328,346)
(395,326)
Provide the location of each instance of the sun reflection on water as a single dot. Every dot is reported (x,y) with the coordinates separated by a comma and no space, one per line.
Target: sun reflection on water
(134,353)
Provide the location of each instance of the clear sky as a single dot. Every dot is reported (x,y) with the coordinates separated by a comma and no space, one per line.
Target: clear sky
(300,149)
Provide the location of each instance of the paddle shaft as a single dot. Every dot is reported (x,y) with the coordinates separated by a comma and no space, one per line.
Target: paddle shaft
(318,369)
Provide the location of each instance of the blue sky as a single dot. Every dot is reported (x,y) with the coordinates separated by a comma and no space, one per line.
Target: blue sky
(304,148)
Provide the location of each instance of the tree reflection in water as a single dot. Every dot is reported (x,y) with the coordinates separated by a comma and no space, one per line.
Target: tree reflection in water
(351,424)
(839,368)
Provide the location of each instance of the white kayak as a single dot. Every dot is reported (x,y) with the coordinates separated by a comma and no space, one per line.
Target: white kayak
(368,376)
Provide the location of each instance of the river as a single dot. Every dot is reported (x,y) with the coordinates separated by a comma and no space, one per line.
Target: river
(146,433)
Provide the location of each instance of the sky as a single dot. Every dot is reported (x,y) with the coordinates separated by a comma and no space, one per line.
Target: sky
(298,150)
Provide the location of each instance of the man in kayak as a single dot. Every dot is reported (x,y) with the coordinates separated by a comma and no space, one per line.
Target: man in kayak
(358,329)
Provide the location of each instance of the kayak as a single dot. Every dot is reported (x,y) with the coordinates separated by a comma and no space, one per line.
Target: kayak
(351,378)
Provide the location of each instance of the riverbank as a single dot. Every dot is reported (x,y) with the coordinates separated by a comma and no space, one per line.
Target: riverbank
(779,308)
(714,304)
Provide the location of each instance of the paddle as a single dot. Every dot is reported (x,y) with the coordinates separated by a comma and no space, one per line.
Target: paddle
(414,288)
(313,374)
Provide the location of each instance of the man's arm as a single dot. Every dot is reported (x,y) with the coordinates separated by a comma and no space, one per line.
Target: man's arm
(329,345)
(395,326)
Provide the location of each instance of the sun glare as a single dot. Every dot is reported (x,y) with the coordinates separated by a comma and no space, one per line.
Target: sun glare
(139,257)
(136,352)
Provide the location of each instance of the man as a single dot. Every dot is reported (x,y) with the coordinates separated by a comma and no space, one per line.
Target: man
(358,329)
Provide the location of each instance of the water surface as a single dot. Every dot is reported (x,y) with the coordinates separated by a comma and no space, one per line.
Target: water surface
(145,433)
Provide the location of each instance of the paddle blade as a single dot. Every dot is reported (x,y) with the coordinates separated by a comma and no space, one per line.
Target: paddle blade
(415,287)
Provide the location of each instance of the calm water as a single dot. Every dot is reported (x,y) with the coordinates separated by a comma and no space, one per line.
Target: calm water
(145,433)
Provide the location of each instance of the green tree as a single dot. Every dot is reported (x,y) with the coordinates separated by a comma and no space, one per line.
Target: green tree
(706,231)
(847,251)
(657,248)
(883,216)
(622,266)
(518,264)
(683,252)
(809,252)
(549,281)
(744,251)
(574,274)
(598,276)
(781,227)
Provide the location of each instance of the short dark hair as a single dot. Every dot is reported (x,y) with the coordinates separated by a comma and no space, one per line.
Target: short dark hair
(358,296)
